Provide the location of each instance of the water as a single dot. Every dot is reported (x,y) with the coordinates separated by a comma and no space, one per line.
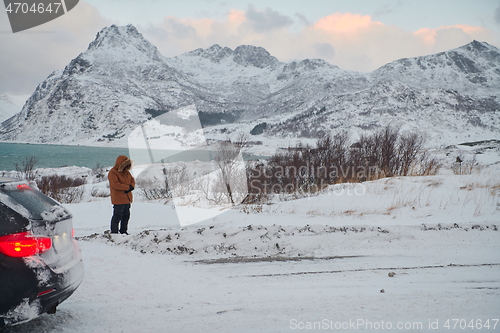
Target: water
(55,156)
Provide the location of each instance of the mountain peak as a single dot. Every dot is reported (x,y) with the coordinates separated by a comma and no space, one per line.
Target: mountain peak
(482,49)
(248,55)
(245,55)
(477,45)
(123,42)
(214,53)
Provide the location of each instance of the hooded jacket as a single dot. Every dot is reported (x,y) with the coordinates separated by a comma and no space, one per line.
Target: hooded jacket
(120,179)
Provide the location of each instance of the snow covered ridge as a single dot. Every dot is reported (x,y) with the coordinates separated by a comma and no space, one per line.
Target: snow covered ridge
(284,242)
(122,80)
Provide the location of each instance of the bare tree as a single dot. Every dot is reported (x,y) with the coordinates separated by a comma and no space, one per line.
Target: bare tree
(26,168)
(225,158)
(232,170)
(242,140)
(408,148)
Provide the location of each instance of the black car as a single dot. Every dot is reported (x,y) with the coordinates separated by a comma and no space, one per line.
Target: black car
(40,261)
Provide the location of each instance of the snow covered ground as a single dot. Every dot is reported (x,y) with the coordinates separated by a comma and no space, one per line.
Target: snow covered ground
(411,254)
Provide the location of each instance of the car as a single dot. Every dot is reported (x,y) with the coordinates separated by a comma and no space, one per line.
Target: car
(40,260)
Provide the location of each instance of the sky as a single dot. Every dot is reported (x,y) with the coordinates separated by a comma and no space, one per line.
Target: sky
(359,35)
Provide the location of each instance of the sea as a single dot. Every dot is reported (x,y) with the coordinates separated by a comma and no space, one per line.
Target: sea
(56,156)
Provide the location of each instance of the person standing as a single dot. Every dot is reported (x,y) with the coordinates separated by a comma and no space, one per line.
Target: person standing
(121,185)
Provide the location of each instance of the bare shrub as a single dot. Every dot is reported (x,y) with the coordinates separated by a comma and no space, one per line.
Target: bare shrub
(390,152)
(306,170)
(242,140)
(62,188)
(165,183)
(153,190)
(99,171)
(98,193)
(26,168)
(214,190)
(155,193)
(382,151)
(426,165)
(177,179)
(409,146)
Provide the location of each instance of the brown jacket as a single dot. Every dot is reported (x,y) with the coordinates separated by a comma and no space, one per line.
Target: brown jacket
(120,179)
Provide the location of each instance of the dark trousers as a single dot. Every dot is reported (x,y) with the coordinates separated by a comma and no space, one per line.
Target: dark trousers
(121,213)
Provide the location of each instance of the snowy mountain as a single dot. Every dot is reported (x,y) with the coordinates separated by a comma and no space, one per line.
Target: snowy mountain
(122,80)
(7,108)
(473,66)
(452,95)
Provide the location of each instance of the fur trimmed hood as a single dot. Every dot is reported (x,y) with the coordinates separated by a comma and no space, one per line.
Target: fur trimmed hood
(122,162)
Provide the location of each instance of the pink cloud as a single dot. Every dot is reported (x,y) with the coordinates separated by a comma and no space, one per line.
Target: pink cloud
(430,36)
(203,27)
(344,23)
(348,40)
(236,16)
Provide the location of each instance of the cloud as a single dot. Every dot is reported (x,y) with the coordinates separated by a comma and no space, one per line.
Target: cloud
(384,10)
(179,29)
(350,41)
(362,44)
(32,55)
(339,23)
(447,37)
(496,15)
(325,50)
(303,19)
(266,20)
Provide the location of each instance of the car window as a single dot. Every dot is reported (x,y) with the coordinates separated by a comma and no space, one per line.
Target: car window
(11,221)
(22,198)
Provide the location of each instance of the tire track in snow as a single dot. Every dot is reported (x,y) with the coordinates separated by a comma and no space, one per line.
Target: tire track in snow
(374,269)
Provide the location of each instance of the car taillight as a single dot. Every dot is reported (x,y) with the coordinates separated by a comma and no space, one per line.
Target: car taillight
(23,187)
(24,244)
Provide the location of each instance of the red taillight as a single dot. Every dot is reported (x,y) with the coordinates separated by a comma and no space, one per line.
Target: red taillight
(23,187)
(46,292)
(24,244)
